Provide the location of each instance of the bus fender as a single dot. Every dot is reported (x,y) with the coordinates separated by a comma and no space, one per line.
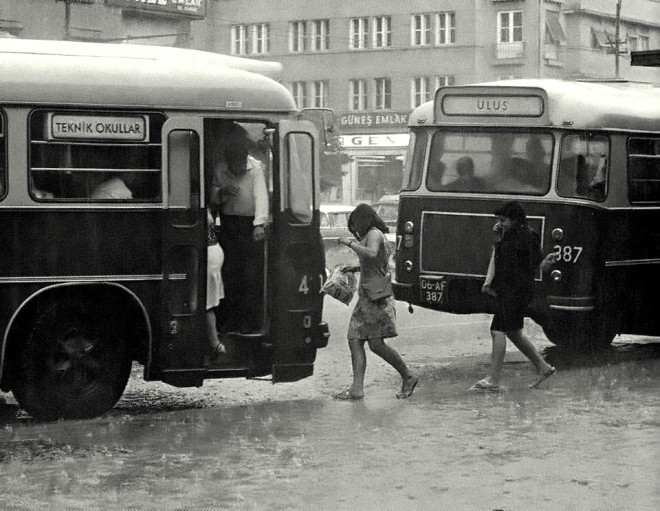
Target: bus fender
(23,309)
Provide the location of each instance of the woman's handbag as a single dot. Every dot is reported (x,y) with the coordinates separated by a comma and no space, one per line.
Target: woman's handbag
(378,288)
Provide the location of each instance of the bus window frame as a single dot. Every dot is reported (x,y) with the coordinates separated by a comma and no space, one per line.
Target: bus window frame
(145,145)
(590,134)
(4,160)
(289,188)
(653,157)
(490,130)
(411,160)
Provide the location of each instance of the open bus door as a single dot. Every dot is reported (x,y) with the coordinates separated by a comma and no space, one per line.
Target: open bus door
(179,356)
(297,258)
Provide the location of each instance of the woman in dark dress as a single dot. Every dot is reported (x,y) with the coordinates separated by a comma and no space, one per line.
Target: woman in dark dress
(517,256)
(372,321)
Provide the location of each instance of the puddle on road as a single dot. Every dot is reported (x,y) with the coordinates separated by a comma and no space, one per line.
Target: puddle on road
(591,431)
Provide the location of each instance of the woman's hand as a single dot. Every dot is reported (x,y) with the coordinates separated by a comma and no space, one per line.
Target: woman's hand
(549,261)
(344,240)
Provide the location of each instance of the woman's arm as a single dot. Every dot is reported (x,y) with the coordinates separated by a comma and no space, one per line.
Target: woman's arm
(367,251)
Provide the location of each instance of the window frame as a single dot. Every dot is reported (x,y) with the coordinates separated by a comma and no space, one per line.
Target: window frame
(359,33)
(420,33)
(445,28)
(382,93)
(419,92)
(357,94)
(299,92)
(319,35)
(298,36)
(511,28)
(634,157)
(382,31)
(320,93)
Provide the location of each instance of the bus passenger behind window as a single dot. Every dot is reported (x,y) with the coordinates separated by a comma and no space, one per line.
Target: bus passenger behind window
(113,188)
(466,181)
(239,188)
(434,178)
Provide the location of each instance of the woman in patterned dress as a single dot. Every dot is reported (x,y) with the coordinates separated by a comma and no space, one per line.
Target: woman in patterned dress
(372,321)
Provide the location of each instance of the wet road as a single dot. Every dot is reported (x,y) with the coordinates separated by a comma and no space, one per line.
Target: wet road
(587,440)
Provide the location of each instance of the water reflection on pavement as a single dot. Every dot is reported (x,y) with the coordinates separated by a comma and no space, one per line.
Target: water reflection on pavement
(587,440)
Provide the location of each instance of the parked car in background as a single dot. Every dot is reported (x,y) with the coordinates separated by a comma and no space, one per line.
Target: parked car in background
(334,222)
(387,207)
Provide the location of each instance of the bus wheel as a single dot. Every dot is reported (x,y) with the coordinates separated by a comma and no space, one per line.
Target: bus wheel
(74,362)
(578,331)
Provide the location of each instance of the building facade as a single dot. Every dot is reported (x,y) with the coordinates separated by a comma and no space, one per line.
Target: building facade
(372,62)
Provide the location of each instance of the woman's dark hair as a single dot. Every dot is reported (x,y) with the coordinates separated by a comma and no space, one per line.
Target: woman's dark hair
(514,211)
(363,218)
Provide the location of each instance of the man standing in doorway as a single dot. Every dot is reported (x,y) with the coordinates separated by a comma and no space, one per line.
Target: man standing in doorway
(239,189)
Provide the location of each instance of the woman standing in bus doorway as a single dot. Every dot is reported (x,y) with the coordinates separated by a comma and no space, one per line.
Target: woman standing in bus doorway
(372,321)
(516,258)
(215,290)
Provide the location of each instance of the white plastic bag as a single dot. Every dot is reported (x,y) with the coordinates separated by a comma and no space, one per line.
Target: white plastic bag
(340,285)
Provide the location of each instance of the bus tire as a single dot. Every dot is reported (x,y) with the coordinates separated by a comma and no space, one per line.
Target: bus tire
(581,332)
(74,362)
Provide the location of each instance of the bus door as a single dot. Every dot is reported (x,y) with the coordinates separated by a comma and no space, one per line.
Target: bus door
(297,259)
(183,340)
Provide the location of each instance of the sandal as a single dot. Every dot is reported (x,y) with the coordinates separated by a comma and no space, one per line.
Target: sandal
(408,387)
(215,355)
(346,395)
(485,384)
(543,377)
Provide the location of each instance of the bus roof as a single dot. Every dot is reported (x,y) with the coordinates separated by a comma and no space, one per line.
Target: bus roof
(546,102)
(74,73)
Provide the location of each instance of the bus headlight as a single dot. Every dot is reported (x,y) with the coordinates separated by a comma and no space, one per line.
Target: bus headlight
(408,266)
(408,227)
(555,275)
(557,234)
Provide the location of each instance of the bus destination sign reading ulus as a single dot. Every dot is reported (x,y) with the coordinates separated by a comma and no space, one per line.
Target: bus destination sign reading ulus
(134,128)
(490,105)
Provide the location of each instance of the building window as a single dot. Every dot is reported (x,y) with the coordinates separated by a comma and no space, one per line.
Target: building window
(444,81)
(359,33)
(299,91)
(643,41)
(250,39)
(420,90)
(239,39)
(320,36)
(509,26)
(382,32)
(260,38)
(358,95)
(509,35)
(420,30)
(383,94)
(320,96)
(297,36)
(445,28)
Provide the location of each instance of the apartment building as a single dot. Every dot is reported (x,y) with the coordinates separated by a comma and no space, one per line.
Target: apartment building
(372,61)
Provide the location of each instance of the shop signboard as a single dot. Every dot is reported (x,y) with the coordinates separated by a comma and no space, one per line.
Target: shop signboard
(371,121)
(183,8)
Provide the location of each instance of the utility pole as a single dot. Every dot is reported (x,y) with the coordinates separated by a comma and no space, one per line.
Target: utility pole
(616,38)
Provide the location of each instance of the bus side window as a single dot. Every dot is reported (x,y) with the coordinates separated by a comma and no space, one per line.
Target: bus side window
(3,158)
(583,167)
(101,169)
(414,162)
(644,170)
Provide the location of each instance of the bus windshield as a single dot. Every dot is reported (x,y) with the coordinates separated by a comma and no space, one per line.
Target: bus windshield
(490,162)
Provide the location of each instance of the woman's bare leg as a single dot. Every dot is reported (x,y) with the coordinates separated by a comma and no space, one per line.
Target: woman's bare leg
(359,362)
(528,349)
(497,356)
